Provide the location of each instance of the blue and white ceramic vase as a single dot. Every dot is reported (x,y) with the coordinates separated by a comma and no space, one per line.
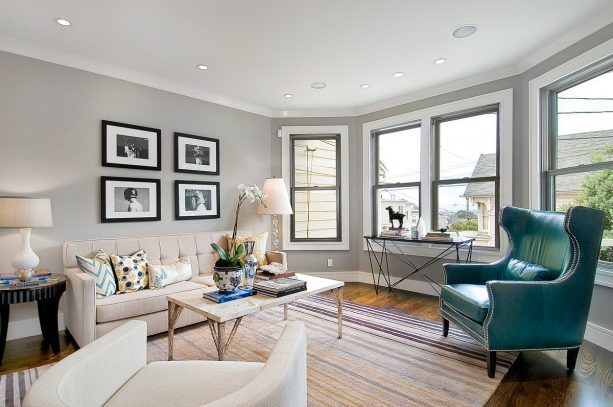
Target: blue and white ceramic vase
(227,279)
(250,264)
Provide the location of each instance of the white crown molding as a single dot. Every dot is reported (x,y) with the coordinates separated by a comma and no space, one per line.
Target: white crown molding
(579,32)
(85,64)
(280,114)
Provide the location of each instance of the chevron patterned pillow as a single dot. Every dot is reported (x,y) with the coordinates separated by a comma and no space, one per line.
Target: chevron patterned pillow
(100,268)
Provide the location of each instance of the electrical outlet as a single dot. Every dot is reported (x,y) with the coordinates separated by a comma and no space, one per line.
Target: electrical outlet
(330,263)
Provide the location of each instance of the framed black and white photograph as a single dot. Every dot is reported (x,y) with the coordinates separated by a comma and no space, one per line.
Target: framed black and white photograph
(130,146)
(130,199)
(196,200)
(196,154)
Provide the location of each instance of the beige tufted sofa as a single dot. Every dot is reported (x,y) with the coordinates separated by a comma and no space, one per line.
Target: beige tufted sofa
(88,318)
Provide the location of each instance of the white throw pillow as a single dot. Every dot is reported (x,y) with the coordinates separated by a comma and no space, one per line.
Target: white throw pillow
(161,275)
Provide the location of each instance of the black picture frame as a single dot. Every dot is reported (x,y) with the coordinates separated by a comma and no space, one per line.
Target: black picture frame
(214,202)
(114,160)
(211,168)
(106,215)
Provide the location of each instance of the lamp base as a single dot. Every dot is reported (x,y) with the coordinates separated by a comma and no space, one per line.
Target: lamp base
(25,258)
(24,275)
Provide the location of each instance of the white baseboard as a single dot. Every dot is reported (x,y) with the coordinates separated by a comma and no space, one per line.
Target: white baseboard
(30,327)
(599,335)
(596,334)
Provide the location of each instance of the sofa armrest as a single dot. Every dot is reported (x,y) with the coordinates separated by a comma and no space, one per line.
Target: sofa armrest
(90,376)
(276,257)
(282,381)
(471,273)
(80,306)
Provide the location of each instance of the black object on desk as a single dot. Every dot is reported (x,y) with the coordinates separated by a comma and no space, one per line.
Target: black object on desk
(387,243)
(47,294)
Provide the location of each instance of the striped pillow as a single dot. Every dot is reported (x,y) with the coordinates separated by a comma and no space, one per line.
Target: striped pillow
(100,268)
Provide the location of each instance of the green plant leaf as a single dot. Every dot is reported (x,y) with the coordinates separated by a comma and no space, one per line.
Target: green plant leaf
(221,252)
(239,252)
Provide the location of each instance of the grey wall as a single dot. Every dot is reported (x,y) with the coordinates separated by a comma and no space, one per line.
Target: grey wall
(51,146)
(343,260)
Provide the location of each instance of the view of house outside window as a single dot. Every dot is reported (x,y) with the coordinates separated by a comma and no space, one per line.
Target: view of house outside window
(581,155)
(315,187)
(398,176)
(466,149)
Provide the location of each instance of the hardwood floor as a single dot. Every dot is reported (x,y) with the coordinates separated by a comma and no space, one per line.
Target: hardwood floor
(535,379)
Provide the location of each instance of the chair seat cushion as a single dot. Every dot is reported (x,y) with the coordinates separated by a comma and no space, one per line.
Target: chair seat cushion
(183,384)
(141,302)
(469,299)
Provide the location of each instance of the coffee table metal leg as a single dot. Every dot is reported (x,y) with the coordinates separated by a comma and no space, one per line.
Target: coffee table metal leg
(338,297)
(218,330)
(285,312)
(174,312)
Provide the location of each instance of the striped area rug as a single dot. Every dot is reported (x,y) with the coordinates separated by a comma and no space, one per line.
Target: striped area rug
(14,385)
(386,358)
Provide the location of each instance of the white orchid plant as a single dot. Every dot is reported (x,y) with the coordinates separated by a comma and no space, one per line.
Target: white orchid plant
(252,194)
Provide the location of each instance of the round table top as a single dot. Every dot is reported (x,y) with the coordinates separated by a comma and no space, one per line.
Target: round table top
(52,280)
(53,287)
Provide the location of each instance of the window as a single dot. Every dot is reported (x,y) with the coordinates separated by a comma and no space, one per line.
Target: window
(315,188)
(397,175)
(315,167)
(466,176)
(449,164)
(578,146)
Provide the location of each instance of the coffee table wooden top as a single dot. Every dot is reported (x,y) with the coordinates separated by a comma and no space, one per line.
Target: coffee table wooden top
(227,311)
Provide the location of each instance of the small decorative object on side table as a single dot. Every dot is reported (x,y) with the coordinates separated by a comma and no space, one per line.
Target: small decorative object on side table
(46,293)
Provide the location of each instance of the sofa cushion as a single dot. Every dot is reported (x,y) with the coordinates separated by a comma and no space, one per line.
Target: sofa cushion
(100,268)
(519,270)
(185,383)
(131,271)
(259,248)
(206,279)
(469,299)
(161,275)
(141,302)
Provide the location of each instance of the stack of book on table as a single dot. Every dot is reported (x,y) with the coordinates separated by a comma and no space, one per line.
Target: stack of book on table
(221,297)
(395,232)
(264,275)
(279,287)
(10,279)
(438,236)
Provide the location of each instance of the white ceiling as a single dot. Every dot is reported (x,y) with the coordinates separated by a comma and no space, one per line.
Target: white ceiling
(258,50)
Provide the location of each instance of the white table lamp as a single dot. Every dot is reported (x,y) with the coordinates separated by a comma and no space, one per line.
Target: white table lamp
(25,214)
(276,202)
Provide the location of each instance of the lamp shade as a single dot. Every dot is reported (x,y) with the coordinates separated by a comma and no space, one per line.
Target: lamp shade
(25,212)
(276,198)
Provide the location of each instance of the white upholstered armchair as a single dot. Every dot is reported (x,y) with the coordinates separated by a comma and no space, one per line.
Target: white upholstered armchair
(112,371)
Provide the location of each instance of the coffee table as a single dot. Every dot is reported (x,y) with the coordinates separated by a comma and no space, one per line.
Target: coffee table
(219,314)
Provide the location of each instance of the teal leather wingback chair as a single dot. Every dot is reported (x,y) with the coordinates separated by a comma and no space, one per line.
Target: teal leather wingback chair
(537,297)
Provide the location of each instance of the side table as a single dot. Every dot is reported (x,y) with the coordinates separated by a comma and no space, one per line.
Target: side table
(47,294)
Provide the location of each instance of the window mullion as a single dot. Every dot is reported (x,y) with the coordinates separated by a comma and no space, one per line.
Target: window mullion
(426,171)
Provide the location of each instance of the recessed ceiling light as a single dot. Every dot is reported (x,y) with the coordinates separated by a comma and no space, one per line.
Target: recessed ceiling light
(62,21)
(288,96)
(440,61)
(398,74)
(202,67)
(464,31)
(318,85)
(365,85)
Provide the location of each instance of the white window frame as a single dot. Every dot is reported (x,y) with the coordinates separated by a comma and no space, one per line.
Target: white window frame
(504,99)
(343,131)
(604,273)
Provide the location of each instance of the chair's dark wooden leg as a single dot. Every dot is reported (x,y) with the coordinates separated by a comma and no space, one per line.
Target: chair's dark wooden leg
(491,363)
(571,358)
(445,327)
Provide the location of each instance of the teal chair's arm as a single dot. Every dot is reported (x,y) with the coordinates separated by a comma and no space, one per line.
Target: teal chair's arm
(534,315)
(472,273)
